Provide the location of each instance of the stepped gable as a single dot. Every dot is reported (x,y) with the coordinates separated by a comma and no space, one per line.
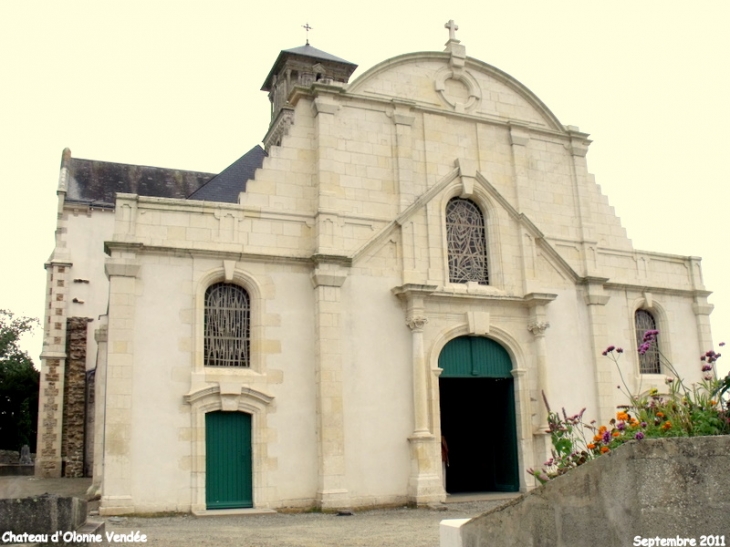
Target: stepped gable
(226,186)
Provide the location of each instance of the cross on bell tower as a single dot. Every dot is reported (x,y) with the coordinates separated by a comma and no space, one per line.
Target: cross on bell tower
(307,28)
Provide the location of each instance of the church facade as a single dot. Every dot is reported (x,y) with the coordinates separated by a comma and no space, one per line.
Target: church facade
(417,256)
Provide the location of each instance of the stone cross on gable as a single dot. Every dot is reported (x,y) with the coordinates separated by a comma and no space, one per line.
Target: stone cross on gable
(453,27)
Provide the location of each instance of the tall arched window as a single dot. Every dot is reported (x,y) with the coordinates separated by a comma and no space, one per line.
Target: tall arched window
(648,362)
(467,242)
(227,326)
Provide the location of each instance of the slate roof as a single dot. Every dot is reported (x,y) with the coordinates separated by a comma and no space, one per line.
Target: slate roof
(96,183)
(226,186)
(303,51)
(310,51)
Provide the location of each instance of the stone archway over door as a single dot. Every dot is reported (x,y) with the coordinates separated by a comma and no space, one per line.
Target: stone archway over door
(228,470)
(477,405)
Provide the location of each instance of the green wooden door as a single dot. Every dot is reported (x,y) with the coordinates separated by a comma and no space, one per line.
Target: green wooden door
(478,416)
(228,478)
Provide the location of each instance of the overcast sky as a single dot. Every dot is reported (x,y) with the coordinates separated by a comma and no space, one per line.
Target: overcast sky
(177,84)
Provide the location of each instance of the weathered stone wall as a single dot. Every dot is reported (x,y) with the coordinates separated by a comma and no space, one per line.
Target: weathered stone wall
(74,398)
(664,488)
(9,456)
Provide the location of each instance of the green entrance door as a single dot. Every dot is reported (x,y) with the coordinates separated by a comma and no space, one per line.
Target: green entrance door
(478,416)
(228,480)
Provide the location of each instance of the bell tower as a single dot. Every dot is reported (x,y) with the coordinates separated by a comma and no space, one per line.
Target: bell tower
(298,67)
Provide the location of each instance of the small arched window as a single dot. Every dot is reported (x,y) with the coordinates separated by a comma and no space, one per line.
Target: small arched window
(649,362)
(227,326)
(467,242)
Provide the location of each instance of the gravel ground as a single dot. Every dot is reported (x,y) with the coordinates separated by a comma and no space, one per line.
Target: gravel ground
(402,527)
(399,527)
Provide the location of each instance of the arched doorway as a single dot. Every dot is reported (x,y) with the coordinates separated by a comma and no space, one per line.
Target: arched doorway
(228,477)
(478,416)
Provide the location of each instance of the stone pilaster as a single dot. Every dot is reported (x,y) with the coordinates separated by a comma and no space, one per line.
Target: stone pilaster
(578,148)
(525,449)
(537,325)
(425,484)
(101,336)
(700,306)
(596,299)
(121,269)
(519,139)
(403,119)
(327,279)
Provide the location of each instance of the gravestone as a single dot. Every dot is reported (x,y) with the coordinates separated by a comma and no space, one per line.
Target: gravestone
(25,456)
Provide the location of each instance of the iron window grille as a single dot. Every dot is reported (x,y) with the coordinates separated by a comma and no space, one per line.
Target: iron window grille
(467,242)
(649,363)
(227,326)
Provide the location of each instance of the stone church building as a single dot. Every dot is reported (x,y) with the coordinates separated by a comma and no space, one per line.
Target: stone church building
(414,254)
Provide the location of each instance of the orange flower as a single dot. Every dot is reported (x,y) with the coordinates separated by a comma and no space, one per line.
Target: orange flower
(602,429)
(667,425)
(622,416)
(616,433)
(713,402)
(660,414)
(591,446)
(604,449)
(634,421)
(597,437)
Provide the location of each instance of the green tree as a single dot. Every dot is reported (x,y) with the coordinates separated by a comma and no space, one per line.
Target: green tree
(18,385)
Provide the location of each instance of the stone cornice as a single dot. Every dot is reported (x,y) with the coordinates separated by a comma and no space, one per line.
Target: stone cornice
(409,290)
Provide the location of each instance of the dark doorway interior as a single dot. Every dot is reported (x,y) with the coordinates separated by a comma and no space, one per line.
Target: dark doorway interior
(478,423)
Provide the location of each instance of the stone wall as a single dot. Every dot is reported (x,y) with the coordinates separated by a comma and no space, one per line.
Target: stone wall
(664,488)
(74,398)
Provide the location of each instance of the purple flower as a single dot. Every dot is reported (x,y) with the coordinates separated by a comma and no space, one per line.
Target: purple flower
(643,425)
(621,426)
(619,350)
(607,437)
(639,435)
(721,344)
(610,348)
(705,368)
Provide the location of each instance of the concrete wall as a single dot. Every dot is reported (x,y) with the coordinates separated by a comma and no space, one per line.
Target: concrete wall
(664,488)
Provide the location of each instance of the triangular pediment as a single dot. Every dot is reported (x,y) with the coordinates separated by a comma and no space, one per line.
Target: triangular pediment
(470,182)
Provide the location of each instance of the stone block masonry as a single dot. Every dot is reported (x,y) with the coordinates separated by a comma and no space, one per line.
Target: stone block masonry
(74,397)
